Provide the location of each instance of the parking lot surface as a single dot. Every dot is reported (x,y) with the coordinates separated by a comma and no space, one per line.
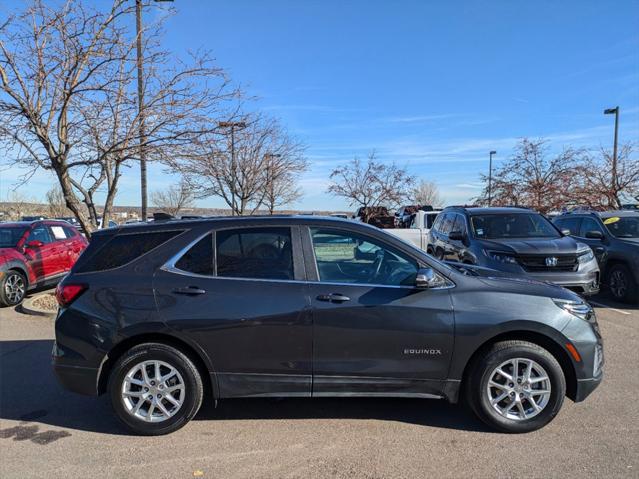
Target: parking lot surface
(48,432)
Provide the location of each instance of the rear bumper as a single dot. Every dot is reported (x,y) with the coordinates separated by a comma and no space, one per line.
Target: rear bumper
(78,379)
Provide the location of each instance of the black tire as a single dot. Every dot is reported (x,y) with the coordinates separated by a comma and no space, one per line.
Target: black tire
(193,388)
(7,298)
(482,369)
(621,284)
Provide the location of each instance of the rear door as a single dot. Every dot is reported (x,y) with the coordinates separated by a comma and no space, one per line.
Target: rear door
(239,295)
(374,333)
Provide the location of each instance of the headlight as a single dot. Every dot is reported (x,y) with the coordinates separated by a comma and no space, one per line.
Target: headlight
(586,256)
(501,257)
(580,309)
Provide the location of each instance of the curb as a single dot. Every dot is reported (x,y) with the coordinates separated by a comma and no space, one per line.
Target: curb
(27,307)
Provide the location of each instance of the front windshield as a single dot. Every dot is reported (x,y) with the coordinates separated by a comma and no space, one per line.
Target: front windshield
(514,225)
(10,235)
(623,227)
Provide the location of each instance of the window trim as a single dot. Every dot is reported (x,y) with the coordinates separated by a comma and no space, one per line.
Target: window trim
(299,275)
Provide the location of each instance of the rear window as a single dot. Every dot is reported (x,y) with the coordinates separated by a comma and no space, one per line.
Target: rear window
(262,253)
(123,249)
(199,258)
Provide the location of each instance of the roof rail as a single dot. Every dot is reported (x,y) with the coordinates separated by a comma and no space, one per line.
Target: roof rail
(161,216)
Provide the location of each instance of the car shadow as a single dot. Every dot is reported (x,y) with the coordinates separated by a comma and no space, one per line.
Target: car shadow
(29,392)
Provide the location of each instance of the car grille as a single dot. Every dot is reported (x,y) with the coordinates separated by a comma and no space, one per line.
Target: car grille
(535,263)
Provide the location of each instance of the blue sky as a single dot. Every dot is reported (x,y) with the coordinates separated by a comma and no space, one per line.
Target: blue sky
(429,85)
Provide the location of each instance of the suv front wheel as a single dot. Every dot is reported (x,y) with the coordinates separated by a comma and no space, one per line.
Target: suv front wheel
(155,389)
(516,387)
(622,284)
(12,288)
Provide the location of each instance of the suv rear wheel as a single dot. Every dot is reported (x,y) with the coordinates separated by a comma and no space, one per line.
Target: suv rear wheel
(155,389)
(12,288)
(516,387)
(622,284)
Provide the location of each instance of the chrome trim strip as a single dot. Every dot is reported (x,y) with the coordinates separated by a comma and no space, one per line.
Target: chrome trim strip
(170,267)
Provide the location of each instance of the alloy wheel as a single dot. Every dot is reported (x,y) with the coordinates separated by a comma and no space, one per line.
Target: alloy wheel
(153,391)
(618,284)
(14,288)
(519,389)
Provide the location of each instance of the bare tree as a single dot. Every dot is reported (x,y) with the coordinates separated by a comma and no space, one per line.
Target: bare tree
(533,179)
(174,198)
(371,184)
(597,188)
(56,203)
(67,101)
(253,167)
(427,193)
(283,169)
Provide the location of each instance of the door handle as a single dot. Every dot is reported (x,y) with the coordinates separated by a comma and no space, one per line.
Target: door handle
(333,297)
(191,290)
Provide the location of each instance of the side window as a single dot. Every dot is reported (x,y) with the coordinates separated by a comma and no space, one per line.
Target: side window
(122,249)
(571,224)
(261,253)
(70,232)
(58,233)
(40,233)
(460,224)
(199,258)
(347,257)
(588,224)
(431,220)
(447,223)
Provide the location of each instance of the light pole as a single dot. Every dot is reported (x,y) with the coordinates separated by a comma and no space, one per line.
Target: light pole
(232,125)
(141,112)
(490,178)
(610,111)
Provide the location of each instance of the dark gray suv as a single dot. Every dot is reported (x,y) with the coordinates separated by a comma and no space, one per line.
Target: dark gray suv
(614,239)
(158,315)
(514,240)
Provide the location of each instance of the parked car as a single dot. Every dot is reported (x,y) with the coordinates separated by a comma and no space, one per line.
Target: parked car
(418,227)
(614,239)
(156,314)
(35,254)
(514,240)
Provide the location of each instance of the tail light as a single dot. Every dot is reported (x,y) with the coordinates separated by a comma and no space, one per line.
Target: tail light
(66,294)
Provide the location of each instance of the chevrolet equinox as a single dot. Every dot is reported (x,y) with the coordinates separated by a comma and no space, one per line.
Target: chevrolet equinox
(157,314)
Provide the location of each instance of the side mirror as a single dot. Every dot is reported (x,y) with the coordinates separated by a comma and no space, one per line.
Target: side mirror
(427,278)
(456,236)
(595,235)
(566,232)
(34,244)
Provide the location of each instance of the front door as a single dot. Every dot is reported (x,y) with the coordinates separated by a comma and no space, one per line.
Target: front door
(373,331)
(598,246)
(41,252)
(245,307)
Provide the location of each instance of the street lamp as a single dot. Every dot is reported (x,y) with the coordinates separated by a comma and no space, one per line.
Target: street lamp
(142,126)
(490,177)
(615,111)
(232,125)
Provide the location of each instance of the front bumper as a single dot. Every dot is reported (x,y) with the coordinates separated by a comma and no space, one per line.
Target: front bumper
(586,386)
(585,281)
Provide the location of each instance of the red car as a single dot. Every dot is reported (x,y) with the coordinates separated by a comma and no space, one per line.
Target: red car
(34,254)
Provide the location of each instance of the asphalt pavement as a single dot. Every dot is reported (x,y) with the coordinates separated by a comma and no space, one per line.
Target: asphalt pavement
(48,432)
